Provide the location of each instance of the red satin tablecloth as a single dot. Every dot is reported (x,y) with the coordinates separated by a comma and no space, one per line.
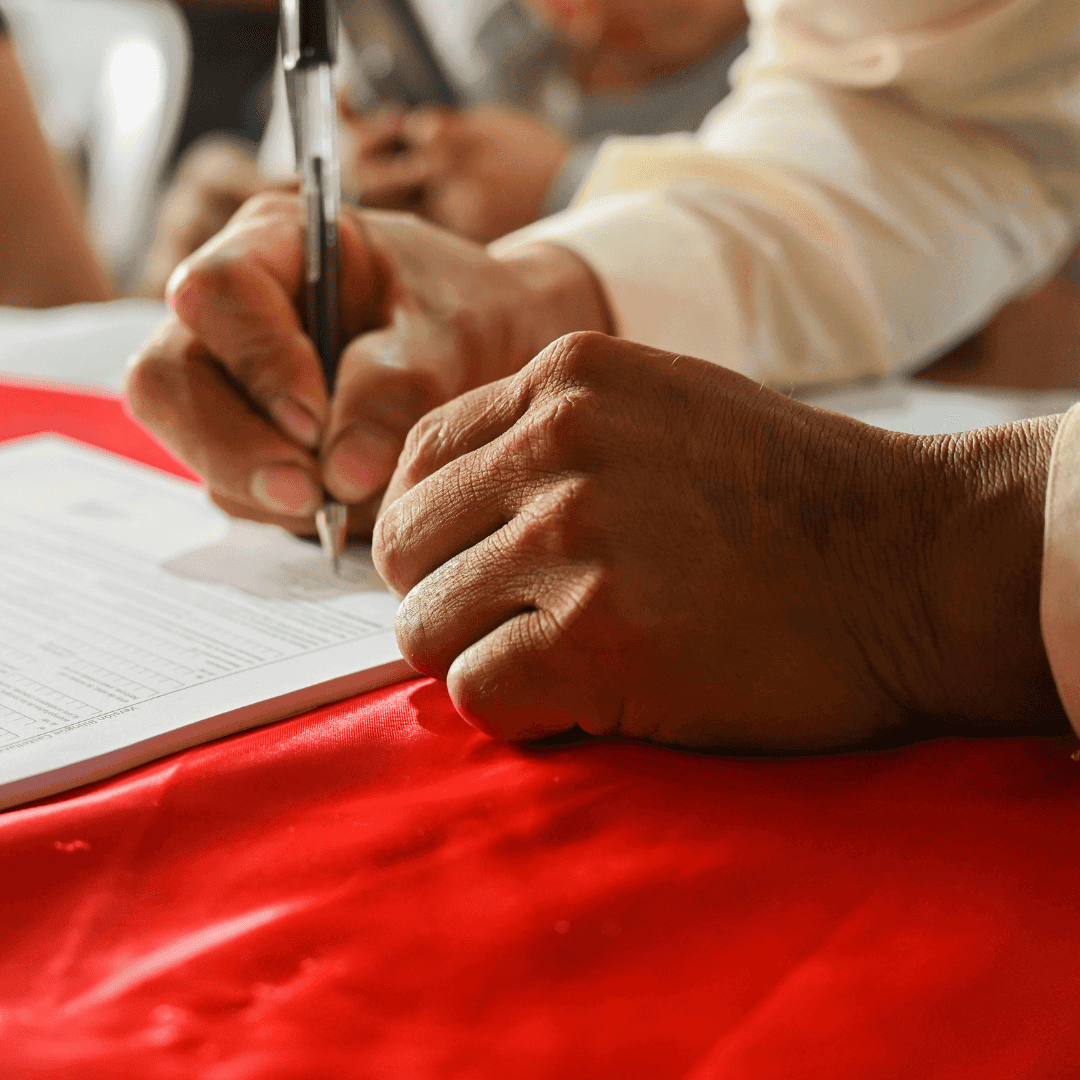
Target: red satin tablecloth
(375,890)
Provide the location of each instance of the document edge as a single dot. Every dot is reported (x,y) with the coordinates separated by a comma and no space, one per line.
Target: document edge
(258,714)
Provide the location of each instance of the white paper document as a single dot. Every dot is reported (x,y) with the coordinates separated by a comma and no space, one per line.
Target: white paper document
(136,619)
(81,344)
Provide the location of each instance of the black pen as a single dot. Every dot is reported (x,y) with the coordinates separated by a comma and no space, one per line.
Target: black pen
(309,39)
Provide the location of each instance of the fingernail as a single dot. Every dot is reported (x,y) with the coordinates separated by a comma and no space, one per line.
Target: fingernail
(295,420)
(359,464)
(285,489)
(175,284)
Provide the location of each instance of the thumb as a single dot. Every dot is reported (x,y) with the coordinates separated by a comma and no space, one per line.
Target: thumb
(387,380)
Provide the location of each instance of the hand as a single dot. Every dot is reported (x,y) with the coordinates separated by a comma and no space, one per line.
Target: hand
(652,546)
(232,384)
(482,173)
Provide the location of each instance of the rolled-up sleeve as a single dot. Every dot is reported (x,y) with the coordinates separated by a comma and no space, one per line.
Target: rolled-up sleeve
(1060,599)
(884,177)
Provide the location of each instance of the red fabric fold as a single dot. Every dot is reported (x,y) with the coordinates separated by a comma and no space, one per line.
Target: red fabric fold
(377,890)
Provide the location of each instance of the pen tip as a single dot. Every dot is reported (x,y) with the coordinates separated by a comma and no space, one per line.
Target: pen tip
(332,522)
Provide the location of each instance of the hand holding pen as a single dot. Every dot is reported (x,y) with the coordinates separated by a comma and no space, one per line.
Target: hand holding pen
(308,46)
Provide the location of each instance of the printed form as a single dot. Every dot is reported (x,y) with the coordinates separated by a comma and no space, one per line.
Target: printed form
(136,619)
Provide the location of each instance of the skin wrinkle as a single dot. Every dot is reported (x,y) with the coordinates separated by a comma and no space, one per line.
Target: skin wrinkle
(923,626)
(264,344)
(551,439)
(196,385)
(423,445)
(1003,507)
(885,611)
(498,558)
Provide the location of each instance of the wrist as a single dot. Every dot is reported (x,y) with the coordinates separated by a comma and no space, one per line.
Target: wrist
(564,292)
(934,553)
(982,550)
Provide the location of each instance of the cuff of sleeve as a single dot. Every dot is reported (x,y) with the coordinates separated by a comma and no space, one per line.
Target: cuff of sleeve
(1060,597)
(658,267)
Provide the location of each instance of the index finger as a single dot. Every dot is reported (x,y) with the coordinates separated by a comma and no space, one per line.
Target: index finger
(239,295)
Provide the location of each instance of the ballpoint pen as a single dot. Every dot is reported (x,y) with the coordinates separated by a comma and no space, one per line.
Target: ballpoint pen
(309,32)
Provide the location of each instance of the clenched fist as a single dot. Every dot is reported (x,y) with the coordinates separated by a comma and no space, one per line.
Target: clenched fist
(649,545)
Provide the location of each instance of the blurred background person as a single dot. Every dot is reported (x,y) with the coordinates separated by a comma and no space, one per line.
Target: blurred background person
(572,73)
(548,82)
(234,46)
(45,258)
(534,86)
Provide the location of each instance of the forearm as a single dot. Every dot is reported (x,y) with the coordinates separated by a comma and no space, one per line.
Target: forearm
(797,267)
(45,259)
(815,231)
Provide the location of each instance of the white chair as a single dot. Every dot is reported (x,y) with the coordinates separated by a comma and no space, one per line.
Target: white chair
(110,79)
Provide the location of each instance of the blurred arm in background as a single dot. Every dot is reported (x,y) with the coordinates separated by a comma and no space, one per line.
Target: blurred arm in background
(45,257)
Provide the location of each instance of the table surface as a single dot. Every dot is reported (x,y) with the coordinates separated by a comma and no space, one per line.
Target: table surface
(376,890)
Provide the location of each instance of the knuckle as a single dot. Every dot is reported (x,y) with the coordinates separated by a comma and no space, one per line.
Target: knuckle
(564,432)
(152,380)
(423,447)
(570,419)
(538,635)
(210,274)
(558,526)
(573,358)
(576,600)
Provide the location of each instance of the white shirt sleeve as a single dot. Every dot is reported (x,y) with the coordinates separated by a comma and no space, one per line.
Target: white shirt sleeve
(1060,596)
(886,175)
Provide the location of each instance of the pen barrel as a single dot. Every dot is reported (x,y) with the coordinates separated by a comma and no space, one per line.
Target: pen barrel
(321,189)
(321,241)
